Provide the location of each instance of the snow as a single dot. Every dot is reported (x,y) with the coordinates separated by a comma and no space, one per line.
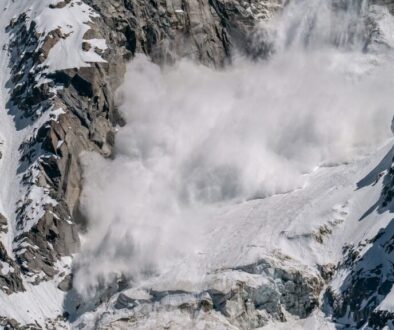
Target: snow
(5,268)
(316,321)
(42,301)
(36,209)
(388,302)
(176,320)
(37,303)
(278,229)
(73,20)
(59,144)
(244,233)
(300,229)
(8,134)
(98,43)
(281,228)
(385,23)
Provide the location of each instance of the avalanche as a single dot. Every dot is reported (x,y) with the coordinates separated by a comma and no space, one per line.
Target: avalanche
(248,176)
(253,196)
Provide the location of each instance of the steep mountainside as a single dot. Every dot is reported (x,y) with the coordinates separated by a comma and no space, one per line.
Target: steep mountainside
(61,64)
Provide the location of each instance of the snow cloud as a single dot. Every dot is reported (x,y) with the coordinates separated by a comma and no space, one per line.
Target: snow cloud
(197,137)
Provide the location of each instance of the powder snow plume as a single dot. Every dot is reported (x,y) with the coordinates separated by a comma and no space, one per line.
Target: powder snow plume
(198,137)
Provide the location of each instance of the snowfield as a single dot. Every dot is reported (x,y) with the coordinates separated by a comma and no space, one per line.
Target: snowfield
(298,230)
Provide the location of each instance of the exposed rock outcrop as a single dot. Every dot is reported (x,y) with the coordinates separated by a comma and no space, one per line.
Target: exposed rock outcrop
(247,297)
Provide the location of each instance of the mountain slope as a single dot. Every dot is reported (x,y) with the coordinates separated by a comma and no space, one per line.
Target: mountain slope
(58,83)
(263,269)
(262,261)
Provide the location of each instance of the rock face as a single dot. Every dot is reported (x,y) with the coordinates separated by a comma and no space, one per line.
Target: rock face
(47,167)
(207,31)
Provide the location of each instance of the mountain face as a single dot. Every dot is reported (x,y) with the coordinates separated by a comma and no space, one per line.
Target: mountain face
(315,256)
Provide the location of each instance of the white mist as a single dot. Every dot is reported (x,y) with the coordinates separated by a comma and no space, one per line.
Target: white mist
(198,138)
